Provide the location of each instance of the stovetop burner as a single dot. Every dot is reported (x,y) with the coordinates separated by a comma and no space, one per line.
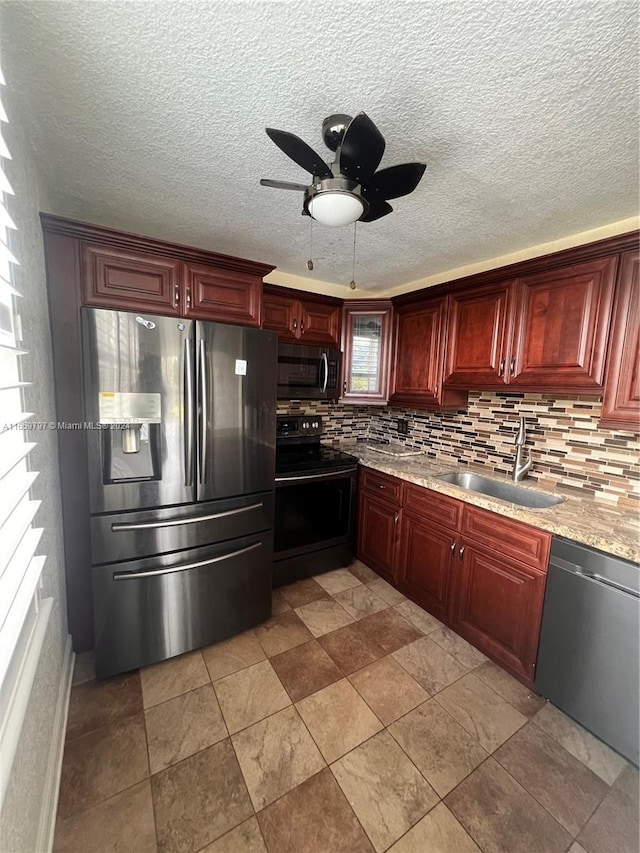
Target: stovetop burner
(306,458)
(298,447)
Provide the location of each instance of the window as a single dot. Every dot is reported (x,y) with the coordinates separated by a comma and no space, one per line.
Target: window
(366,341)
(23,617)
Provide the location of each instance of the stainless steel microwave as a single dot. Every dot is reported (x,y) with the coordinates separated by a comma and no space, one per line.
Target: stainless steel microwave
(308,373)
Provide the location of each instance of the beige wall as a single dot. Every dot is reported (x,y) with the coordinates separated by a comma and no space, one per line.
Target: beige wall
(27,791)
(342,291)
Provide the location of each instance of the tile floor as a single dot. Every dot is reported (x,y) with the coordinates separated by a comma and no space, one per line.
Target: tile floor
(351,721)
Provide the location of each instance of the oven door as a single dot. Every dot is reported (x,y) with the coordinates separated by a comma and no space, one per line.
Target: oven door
(308,373)
(314,512)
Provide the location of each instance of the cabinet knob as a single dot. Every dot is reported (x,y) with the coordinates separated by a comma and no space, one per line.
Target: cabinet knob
(501,368)
(453,547)
(382,487)
(395,519)
(188,297)
(435,390)
(301,326)
(295,324)
(512,365)
(461,552)
(344,385)
(176,295)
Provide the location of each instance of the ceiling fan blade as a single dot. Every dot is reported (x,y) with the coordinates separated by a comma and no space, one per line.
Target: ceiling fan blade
(300,152)
(377,210)
(394,182)
(362,149)
(282,185)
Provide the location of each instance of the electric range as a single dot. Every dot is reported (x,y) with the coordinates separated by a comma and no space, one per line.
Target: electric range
(315,501)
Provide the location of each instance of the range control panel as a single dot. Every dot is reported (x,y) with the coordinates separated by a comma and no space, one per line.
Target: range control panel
(298,426)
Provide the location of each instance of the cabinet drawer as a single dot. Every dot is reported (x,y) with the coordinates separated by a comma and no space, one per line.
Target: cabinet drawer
(432,505)
(511,538)
(382,485)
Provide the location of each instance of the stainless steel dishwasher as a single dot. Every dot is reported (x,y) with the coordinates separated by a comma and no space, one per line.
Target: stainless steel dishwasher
(589,644)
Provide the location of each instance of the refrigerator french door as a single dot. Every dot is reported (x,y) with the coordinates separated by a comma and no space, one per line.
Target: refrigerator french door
(181,448)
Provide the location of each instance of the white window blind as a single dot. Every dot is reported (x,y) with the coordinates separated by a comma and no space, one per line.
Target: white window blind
(366,335)
(20,568)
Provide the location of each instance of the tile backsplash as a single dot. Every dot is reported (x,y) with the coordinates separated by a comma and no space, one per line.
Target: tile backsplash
(570,453)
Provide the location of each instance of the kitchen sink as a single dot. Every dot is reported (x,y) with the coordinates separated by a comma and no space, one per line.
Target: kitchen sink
(502,491)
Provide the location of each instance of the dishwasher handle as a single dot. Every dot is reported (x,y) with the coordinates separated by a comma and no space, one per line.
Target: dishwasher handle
(575,569)
(593,576)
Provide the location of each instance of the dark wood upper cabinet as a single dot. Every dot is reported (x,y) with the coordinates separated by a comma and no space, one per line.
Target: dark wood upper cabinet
(478,328)
(621,402)
(302,318)
(220,295)
(279,313)
(561,328)
(129,281)
(127,272)
(419,357)
(366,344)
(320,323)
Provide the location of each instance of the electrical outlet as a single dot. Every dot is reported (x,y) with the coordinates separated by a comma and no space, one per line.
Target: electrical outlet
(403,426)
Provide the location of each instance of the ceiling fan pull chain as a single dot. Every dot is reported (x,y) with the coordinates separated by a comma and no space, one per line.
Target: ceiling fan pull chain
(310,261)
(352,283)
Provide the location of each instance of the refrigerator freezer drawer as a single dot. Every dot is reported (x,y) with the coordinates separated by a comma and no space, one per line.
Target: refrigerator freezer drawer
(152,609)
(125,536)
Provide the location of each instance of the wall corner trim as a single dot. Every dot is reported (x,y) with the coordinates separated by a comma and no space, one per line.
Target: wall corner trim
(53,768)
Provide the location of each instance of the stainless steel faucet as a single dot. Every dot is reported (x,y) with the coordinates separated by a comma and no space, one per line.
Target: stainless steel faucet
(520,468)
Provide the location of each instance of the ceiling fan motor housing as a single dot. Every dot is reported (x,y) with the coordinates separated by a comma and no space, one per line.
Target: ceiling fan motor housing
(333,128)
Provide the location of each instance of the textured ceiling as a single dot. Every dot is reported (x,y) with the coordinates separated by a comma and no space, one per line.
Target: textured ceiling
(150,117)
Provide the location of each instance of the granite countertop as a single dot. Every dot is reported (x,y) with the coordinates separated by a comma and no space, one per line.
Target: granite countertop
(613,530)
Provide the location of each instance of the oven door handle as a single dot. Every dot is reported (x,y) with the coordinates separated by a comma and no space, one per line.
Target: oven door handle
(327,474)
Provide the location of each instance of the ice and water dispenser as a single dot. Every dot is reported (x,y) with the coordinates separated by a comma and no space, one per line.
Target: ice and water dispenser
(131,437)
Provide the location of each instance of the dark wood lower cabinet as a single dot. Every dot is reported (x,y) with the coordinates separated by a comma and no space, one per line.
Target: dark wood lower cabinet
(479,573)
(377,534)
(423,565)
(498,607)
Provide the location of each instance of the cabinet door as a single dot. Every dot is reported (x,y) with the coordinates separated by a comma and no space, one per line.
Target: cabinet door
(418,353)
(424,563)
(561,329)
(222,295)
(377,535)
(477,332)
(621,403)
(130,281)
(498,607)
(281,315)
(366,344)
(320,324)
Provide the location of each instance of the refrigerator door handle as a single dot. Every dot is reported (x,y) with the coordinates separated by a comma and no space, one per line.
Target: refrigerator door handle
(325,363)
(177,522)
(187,425)
(204,413)
(123,576)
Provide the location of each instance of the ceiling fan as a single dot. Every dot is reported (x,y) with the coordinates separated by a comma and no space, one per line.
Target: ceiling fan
(349,189)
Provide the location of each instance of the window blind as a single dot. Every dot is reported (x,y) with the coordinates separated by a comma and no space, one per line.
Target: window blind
(20,568)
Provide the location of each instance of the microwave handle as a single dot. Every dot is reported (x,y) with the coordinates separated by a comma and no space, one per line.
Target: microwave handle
(325,362)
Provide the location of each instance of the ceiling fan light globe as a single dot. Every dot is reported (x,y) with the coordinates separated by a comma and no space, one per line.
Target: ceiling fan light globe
(335,208)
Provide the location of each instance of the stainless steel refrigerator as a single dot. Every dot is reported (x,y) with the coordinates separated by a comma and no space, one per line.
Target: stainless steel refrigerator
(181,445)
